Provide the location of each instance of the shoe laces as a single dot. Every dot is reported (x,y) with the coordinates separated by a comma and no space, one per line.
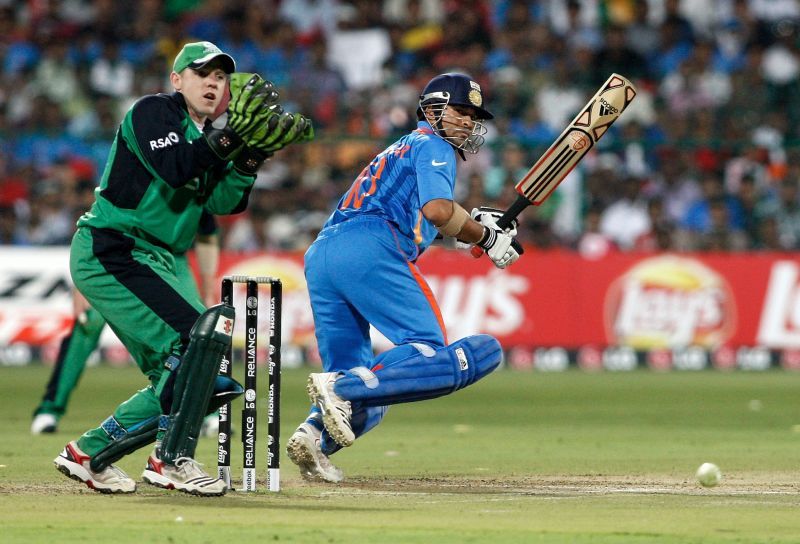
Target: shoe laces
(189,466)
(112,471)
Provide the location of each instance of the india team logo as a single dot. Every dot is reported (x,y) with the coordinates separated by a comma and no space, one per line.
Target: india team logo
(475,98)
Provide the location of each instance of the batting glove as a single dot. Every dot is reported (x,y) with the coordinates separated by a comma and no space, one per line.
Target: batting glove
(500,246)
(495,213)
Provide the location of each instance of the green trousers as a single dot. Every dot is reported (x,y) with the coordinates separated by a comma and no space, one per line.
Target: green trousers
(149,299)
(75,349)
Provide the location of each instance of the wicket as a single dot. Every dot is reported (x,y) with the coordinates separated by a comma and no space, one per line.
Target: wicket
(250,389)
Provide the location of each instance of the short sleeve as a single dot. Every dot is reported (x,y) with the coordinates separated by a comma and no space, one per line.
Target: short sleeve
(435,165)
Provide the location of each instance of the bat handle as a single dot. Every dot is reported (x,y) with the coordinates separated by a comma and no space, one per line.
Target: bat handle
(505,221)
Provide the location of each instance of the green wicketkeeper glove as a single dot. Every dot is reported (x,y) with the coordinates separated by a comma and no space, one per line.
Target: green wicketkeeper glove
(283,129)
(249,160)
(250,107)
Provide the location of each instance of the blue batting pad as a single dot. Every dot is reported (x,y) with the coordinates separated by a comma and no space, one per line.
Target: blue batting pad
(417,372)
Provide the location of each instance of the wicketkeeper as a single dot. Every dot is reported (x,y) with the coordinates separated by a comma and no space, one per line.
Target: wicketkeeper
(167,164)
(87,328)
(361,271)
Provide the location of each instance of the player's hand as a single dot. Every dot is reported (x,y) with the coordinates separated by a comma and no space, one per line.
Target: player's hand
(499,245)
(281,130)
(249,160)
(494,213)
(254,101)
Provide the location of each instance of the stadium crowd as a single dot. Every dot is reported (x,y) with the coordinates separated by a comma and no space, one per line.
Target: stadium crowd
(705,159)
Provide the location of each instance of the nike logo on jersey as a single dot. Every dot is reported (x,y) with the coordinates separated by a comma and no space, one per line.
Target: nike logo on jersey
(437,163)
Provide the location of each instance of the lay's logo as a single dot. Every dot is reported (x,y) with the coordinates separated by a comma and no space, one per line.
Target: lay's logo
(668,302)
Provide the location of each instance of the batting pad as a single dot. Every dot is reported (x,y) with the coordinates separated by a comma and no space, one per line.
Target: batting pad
(127,441)
(194,381)
(425,373)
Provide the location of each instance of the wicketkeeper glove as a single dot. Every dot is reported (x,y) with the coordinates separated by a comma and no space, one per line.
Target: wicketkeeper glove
(282,129)
(252,104)
(249,160)
(499,245)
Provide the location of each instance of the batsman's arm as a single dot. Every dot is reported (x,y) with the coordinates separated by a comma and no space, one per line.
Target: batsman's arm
(451,220)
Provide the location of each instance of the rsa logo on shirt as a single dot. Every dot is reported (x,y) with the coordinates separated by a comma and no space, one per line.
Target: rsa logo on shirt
(161,143)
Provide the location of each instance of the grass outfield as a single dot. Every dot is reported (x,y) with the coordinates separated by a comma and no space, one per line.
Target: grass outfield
(568,457)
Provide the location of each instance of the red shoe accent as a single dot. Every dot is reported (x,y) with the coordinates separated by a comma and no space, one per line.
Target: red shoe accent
(74,455)
(156,465)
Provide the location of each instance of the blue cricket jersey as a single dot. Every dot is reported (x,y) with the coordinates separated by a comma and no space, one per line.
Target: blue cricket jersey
(417,168)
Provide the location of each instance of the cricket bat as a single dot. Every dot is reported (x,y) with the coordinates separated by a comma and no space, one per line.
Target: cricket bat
(570,147)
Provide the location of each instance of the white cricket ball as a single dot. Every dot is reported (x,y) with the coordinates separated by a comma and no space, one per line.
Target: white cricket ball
(708,475)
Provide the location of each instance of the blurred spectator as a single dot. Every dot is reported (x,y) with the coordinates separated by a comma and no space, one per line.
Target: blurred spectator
(9,226)
(617,56)
(575,22)
(111,75)
(510,170)
(51,221)
(641,34)
(311,17)
(659,236)
(699,218)
(751,201)
(721,233)
(559,98)
(676,184)
(673,49)
(718,85)
(56,78)
(696,84)
(593,243)
(784,208)
(626,219)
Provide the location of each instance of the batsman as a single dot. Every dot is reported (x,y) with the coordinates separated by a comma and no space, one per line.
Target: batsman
(361,271)
(167,164)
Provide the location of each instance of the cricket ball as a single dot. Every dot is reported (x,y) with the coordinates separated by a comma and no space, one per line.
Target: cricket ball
(708,475)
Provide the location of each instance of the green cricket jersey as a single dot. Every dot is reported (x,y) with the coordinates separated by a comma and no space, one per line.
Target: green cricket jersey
(161,174)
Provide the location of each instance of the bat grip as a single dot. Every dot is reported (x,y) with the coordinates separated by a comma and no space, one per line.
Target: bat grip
(505,221)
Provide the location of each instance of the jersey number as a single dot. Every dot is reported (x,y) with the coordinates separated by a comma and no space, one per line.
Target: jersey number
(355,196)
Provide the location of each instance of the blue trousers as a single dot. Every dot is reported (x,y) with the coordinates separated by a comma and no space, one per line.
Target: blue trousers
(357,275)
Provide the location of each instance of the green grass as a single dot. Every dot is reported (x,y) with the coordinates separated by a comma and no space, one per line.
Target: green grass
(568,457)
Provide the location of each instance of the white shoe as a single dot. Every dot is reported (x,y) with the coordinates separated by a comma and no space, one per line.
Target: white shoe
(186,475)
(304,451)
(73,463)
(336,412)
(44,423)
(210,426)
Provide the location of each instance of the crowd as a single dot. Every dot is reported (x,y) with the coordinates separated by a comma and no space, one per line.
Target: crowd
(705,159)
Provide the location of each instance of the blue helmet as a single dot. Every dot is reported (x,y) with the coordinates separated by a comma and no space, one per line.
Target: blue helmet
(455,89)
